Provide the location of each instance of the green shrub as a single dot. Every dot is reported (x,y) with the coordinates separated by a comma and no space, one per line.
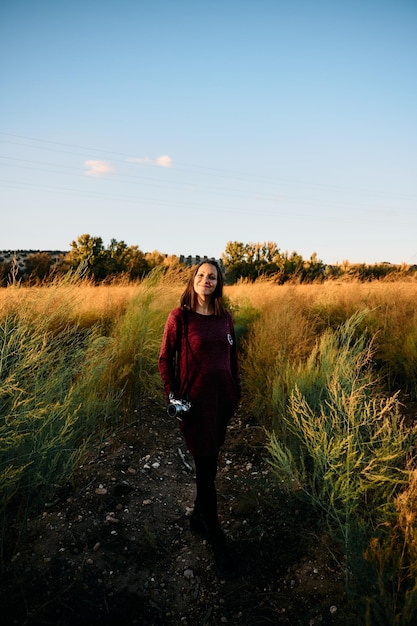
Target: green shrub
(50,404)
(348,449)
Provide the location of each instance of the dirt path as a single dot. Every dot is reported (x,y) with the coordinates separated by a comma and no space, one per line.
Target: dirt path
(114,547)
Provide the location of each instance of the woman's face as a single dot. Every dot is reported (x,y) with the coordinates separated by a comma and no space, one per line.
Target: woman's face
(205,281)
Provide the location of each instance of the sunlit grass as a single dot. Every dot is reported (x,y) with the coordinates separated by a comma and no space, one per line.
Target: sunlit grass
(322,367)
(345,445)
(291,316)
(75,360)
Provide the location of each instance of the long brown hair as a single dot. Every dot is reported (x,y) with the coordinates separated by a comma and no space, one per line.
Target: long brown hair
(189,296)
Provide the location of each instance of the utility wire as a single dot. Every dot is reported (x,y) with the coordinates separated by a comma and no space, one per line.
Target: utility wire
(220,173)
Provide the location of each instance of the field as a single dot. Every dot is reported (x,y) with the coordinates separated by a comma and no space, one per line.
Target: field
(318,481)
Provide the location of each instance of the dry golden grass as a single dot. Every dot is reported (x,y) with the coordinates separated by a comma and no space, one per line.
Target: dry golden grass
(296,314)
(291,316)
(352,295)
(80,301)
(83,302)
(80,298)
(78,372)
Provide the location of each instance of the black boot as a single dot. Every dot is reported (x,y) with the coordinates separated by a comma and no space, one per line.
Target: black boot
(225,565)
(198,525)
(211,531)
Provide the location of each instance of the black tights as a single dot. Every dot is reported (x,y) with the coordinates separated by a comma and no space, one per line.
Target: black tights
(206,499)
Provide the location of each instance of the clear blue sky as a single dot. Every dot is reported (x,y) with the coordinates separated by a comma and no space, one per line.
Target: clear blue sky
(181,125)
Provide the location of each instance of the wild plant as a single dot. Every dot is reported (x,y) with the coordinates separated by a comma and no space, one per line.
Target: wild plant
(133,347)
(50,408)
(347,448)
(393,557)
(54,403)
(391,321)
(279,335)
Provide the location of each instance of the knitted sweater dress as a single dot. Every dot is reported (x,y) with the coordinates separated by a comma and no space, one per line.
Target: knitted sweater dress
(198,358)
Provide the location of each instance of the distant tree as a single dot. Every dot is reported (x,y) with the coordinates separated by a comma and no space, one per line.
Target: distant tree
(89,252)
(264,259)
(64,264)
(116,258)
(252,260)
(38,266)
(4,273)
(11,272)
(314,269)
(377,271)
(234,253)
(332,271)
(292,267)
(234,259)
(154,258)
(136,264)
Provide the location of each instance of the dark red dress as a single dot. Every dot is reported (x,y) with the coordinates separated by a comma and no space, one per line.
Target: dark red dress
(208,369)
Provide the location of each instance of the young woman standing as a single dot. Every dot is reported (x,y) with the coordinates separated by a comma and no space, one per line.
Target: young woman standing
(198,362)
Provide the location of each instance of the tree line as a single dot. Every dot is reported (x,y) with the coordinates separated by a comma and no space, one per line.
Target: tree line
(240,261)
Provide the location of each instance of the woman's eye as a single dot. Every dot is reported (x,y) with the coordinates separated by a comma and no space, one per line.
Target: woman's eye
(211,277)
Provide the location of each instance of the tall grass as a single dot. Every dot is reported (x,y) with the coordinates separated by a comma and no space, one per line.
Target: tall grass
(348,449)
(291,317)
(321,368)
(132,353)
(67,374)
(50,406)
(280,335)
(324,370)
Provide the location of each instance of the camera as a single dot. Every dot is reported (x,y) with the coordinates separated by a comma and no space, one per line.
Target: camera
(178,408)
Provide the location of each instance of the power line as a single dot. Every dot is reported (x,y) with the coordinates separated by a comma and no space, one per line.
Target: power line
(286,198)
(279,212)
(219,173)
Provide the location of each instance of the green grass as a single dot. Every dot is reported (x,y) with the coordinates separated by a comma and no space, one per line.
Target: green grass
(323,370)
(347,448)
(64,383)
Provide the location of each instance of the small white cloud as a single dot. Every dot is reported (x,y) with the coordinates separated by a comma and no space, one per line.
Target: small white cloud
(164,161)
(98,168)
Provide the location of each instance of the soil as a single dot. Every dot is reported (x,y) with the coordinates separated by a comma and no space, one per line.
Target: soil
(114,546)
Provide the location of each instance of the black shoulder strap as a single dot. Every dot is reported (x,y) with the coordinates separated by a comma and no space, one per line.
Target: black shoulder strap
(185,320)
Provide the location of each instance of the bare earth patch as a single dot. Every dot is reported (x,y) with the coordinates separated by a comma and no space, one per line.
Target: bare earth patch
(114,547)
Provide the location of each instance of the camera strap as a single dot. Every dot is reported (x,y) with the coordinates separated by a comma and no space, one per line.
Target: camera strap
(183,342)
(185,325)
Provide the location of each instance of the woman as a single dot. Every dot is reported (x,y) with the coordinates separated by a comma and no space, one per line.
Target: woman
(198,363)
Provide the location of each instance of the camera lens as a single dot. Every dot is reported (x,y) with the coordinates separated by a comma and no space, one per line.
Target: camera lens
(172,410)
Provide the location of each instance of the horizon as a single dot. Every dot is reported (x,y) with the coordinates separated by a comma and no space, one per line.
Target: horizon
(194,256)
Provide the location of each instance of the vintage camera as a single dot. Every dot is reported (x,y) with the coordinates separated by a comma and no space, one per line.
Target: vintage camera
(178,408)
